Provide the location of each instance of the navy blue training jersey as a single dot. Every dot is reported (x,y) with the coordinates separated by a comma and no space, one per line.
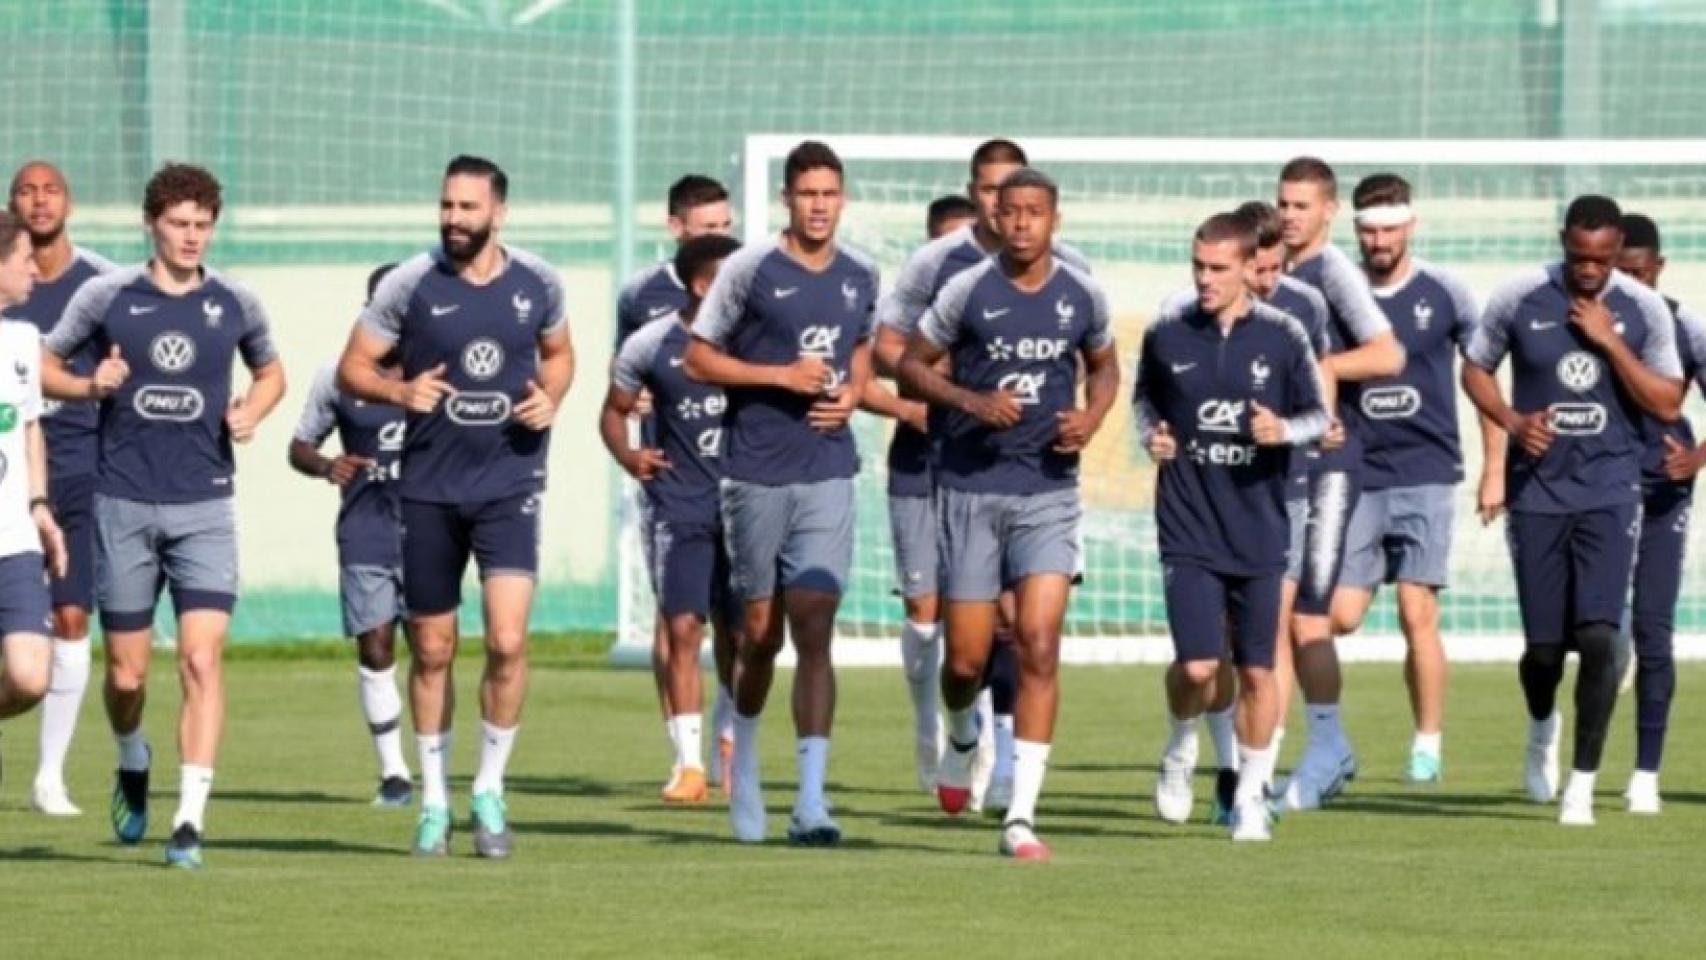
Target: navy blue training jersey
(921,278)
(1410,420)
(163,437)
(369,512)
(1353,319)
(1304,304)
(765,307)
(1595,461)
(69,426)
(1691,354)
(1220,504)
(652,293)
(470,450)
(999,337)
(688,417)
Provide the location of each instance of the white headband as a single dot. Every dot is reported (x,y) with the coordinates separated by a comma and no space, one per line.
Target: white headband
(1385,215)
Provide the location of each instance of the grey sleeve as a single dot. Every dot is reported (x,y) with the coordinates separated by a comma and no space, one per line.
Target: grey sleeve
(1316,326)
(1490,340)
(1143,410)
(255,343)
(1691,329)
(319,411)
(1307,419)
(383,315)
(903,306)
(1347,292)
(629,369)
(554,316)
(1658,351)
(83,316)
(725,302)
(97,262)
(1100,336)
(941,323)
(1463,306)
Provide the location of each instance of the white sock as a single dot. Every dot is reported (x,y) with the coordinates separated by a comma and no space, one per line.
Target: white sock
(921,658)
(723,714)
(1324,723)
(66,682)
(1030,762)
(383,710)
(1581,782)
(434,750)
(1255,772)
(962,726)
(745,762)
(1182,730)
(1428,743)
(1003,747)
(684,729)
(814,768)
(1542,731)
(495,745)
(1643,781)
(194,784)
(133,753)
(1223,730)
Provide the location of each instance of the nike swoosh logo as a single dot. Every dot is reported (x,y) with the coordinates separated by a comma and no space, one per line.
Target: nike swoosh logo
(782,294)
(137,311)
(656,312)
(439,311)
(1182,367)
(996,314)
(1537,325)
(676,361)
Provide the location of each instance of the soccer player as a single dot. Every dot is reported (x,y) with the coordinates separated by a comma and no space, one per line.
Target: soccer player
(1362,347)
(370,551)
(679,473)
(948,213)
(1668,467)
(41,198)
(167,332)
(784,330)
(912,507)
(1592,351)
(486,361)
(698,206)
(1224,385)
(1013,328)
(1412,461)
(31,544)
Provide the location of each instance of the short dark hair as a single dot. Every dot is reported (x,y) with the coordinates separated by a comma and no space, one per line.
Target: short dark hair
(1310,170)
(1380,190)
(467,165)
(1264,219)
(809,155)
(11,228)
(997,151)
(696,256)
(693,191)
(175,183)
(1229,226)
(1592,211)
(374,278)
(1641,233)
(1031,178)
(949,207)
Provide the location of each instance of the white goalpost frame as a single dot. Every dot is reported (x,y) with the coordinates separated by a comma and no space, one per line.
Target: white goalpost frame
(760,193)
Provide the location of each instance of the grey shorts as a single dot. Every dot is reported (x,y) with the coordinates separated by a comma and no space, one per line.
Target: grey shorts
(142,547)
(1401,534)
(372,597)
(1297,517)
(994,540)
(790,535)
(917,559)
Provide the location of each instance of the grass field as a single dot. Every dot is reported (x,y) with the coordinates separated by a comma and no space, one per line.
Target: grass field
(299,864)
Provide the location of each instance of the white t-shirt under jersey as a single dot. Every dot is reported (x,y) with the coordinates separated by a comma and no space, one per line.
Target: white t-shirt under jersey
(20,405)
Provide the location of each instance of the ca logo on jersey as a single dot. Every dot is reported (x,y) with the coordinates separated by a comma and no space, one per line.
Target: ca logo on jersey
(1578,371)
(1026,388)
(391,436)
(523,307)
(819,341)
(172,352)
(710,442)
(1219,416)
(1424,314)
(483,358)
(213,311)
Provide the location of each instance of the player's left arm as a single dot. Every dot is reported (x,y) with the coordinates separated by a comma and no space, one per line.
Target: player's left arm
(883,402)
(1306,418)
(1378,352)
(550,383)
(266,371)
(35,453)
(1077,427)
(1654,378)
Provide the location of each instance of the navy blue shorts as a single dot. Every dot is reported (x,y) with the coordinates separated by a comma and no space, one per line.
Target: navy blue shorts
(1333,496)
(1206,610)
(1658,569)
(1572,569)
(24,595)
(690,569)
(73,500)
(438,538)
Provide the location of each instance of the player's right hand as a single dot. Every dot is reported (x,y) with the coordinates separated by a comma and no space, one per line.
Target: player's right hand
(1534,432)
(917,416)
(1490,501)
(109,375)
(646,463)
(1162,447)
(346,468)
(421,395)
(998,409)
(807,376)
(1334,438)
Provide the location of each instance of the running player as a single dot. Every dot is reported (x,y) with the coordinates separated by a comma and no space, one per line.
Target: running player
(31,544)
(679,476)
(784,330)
(1668,467)
(1592,351)
(1412,461)
(168,331)
(1014,328)
(1228,383)
(42,199)
(1362,347)
(370,551)
(486,359)
(948,213)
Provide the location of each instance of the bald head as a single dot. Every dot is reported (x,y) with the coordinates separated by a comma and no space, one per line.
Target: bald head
(41,198)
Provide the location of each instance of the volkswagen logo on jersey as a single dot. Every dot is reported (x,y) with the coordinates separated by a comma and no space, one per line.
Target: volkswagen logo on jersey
(172,352)
(523,307)
(391,436)
(483,358)
(1578,371)
(850,295)
(1259,373)
(1219,416)
(1577,419)
(213,312)
(1391,403)
(1424,314)
(1026,388)
(710,442)
(1064,312)
(819,341)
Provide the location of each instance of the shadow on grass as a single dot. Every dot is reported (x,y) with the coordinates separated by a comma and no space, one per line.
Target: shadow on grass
(50,855)
(285,796)
(1482,806)
(712,837)
(313,845)
(560,786)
